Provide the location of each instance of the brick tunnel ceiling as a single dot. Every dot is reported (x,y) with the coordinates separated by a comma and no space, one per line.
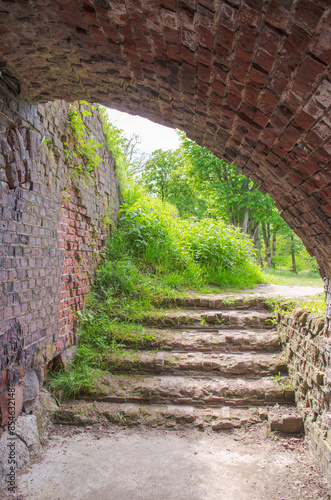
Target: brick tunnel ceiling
(250,80)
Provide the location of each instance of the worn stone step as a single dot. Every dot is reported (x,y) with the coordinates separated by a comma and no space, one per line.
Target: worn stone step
(195,391)
(169,416)
(216,301)
(216,340)
(80,412)
(251,365)
(222,318)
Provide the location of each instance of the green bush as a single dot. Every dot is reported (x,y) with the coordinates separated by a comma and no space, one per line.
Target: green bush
(153,251)
(200,249)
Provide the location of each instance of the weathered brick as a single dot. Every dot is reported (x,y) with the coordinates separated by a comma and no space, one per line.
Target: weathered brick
(30,306)
(308,16)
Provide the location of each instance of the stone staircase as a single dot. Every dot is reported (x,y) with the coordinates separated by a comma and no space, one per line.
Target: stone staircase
(207,361)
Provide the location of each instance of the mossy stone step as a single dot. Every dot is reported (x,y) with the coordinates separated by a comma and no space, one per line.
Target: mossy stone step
(221,318)
(168,416)
(195,391)
(172,416)
(220,364)
(216,301)
(198,340)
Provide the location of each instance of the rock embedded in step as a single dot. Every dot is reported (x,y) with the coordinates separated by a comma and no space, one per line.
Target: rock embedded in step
(159,361)
(287,423)
(211,318)
(263,413)
(26,429)
(222,425)
(44,412)
(226,412)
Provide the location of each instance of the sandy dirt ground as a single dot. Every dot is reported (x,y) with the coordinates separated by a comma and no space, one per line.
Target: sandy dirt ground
(282,290)
(113,463)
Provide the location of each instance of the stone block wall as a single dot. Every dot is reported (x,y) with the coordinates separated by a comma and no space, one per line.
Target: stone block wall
(308,354)
(51,237)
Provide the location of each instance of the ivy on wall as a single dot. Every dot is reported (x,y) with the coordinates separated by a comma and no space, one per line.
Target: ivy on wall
(82,155)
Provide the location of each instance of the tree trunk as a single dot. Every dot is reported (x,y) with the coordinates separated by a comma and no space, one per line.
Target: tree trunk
(257,243)
(245,222)
(294,267)
(274,237)
(234,221)
(266,239)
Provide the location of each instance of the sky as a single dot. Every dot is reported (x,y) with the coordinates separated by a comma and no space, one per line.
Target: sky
(152,135)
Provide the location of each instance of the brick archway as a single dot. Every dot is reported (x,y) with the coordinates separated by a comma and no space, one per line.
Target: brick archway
(248,79)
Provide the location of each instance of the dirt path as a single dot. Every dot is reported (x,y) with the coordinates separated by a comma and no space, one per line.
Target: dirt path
(149,464)
(269,290)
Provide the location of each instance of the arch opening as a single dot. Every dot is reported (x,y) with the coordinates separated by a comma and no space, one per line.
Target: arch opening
(248,79)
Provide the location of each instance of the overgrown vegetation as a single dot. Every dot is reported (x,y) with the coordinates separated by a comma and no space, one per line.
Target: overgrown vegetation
(288,278)
(201,185)
(315,304)
(82,154)
(158,249)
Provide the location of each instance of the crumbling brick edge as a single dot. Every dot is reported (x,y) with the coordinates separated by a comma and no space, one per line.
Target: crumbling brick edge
(307,348)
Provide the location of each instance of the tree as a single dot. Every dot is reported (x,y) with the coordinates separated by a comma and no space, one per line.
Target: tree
(165,174)
(234,197)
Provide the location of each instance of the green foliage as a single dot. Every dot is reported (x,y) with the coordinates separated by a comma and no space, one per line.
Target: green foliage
(115,141)
(196,251)
(286,241)
(315,304)
(121,148)
(166,174)
(78,379)
(82,156)
(231,194)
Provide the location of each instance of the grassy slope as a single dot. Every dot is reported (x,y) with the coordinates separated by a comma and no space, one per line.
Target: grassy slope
(303,278)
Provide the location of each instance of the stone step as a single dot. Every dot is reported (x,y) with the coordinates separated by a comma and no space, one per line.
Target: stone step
(201,318)
(251,365)
(284,419)
(206,340)
(195,391)
(216,301)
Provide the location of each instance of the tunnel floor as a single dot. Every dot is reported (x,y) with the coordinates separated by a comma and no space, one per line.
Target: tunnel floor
(126,464)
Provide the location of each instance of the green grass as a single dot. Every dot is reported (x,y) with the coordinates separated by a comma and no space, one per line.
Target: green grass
(315,304)
(284,277)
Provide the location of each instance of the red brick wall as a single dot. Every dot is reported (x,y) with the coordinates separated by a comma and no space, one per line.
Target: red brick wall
(51,235)
(82,244)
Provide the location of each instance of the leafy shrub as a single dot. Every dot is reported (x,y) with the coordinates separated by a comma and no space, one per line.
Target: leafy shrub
(82,157)
(200,249)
